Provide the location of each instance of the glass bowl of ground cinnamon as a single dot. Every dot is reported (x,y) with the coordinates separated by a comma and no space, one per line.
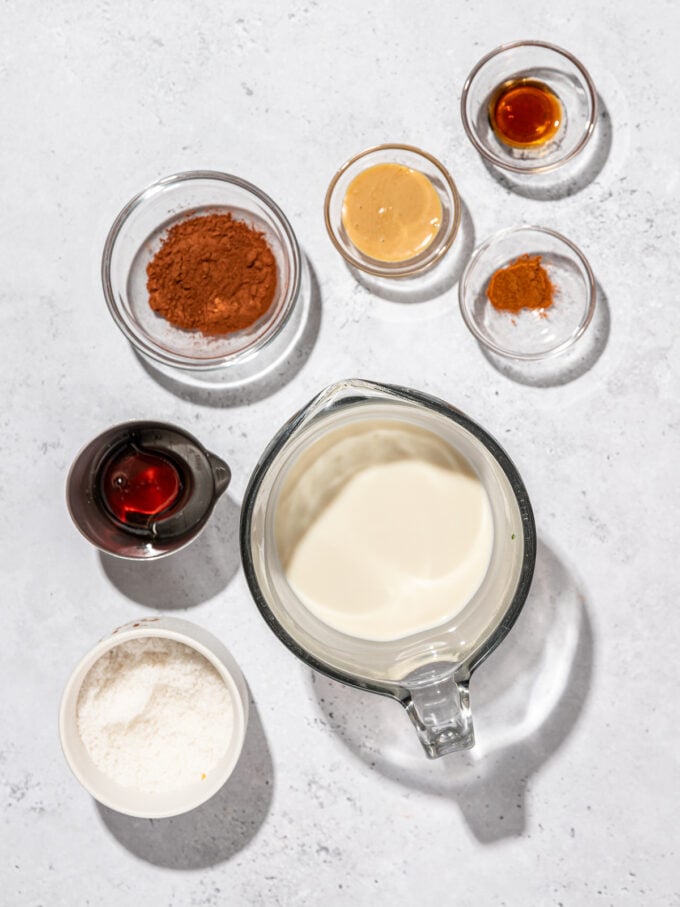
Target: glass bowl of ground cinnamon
(201,271)
(529,107)
(527,293)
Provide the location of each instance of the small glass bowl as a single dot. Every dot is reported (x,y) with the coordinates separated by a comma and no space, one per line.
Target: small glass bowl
(556,68)
(416,160)
(530,333)
(136,236)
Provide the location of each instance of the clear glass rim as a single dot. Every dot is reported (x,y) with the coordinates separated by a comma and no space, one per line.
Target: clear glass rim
(591,291)
(395,689)
(405,271)
(159,354)
(502,162)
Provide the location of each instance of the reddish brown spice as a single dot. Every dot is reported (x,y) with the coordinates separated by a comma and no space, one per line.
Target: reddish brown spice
(524,284)
(212,274)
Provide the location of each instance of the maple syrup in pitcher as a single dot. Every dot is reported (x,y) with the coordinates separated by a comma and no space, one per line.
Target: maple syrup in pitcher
(144,489)
(139,486)
(525,113)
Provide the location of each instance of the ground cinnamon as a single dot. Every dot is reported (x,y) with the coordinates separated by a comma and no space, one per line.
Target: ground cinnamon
(212,274)
(524,284)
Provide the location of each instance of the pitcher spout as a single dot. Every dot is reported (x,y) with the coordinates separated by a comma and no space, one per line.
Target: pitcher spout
(350,390)
(221,474)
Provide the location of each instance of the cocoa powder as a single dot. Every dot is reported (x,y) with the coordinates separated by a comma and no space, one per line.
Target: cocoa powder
(212,274)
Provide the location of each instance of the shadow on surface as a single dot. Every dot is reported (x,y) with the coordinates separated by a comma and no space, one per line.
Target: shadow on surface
(191,576)
(215,831)
(569,179)
(272,368)
(431,284)
(567,366)
(526,699)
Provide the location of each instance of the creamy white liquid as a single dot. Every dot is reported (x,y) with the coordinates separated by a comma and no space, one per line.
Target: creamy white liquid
(384,530)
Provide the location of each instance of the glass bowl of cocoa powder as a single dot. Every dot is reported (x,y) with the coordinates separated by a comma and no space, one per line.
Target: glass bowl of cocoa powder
(201,271)
(527,293)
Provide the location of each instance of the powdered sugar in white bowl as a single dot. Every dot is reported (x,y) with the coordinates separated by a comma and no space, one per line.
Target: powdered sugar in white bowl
(153,719)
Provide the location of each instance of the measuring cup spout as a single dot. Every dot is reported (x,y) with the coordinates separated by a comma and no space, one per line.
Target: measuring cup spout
(440,712)
(221,474)
(351,390)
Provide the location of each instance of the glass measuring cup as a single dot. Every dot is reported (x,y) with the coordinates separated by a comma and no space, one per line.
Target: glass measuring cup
(428,672)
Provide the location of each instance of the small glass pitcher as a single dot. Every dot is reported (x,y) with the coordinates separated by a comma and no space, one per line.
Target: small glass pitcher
(429,671)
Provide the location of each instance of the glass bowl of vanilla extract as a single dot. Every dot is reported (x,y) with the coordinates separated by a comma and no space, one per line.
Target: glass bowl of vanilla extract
(529,107)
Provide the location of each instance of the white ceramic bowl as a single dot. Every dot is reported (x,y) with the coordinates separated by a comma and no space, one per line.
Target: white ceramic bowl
(127,800)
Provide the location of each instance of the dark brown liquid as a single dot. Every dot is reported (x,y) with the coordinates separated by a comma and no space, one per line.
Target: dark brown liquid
(525,113)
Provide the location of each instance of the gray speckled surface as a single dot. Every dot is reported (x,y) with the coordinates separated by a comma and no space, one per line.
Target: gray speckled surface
(572,795)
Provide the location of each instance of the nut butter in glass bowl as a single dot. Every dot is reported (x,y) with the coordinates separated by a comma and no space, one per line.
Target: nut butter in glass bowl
(136,236)
(433,188)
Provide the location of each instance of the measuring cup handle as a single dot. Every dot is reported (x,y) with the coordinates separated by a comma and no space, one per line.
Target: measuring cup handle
(441,714)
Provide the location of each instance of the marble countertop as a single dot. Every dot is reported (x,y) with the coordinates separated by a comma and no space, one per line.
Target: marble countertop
(571,796)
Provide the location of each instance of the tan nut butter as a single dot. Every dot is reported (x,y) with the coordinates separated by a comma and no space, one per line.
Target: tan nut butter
(391,212)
